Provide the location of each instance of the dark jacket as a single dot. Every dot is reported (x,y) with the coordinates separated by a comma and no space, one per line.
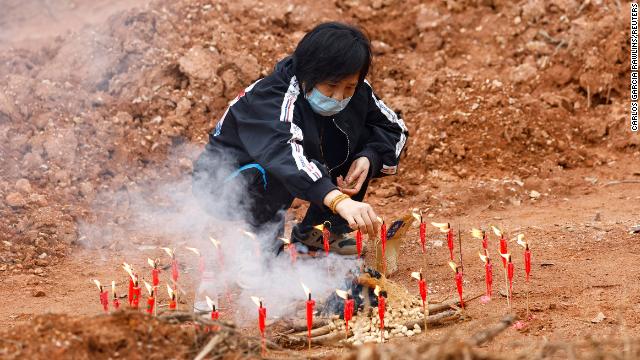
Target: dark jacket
(272,124)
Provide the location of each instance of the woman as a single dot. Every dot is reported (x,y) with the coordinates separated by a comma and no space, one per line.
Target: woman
(314,130)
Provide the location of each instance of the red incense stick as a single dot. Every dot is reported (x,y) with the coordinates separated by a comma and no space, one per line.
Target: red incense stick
(359,243)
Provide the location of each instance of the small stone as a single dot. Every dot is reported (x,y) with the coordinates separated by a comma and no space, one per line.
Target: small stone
(183,107)
(357,343)
(23,186)
(15,200)
(410,333)
(39,272)
(417,331)
(598,318)
(534,194)
(416,327)
(38,293)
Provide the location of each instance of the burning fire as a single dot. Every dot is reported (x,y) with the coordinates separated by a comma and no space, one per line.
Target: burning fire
(377,290)
(149,287)
(417,275)
(496,231)
(453,266)
(97,282)
(506,256)
(192,249)
(129,269)
(417,215)
(285,240)
(484,258)
(170,291)
(443,227)
(521,241)
(113,287)
(342,294)
(152,263)
(306,290)
(210,302)
(215,242)
(256,300)
(169,252)
(250,234)
(477,233)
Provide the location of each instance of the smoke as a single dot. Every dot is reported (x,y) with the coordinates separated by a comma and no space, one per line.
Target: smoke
(140,218)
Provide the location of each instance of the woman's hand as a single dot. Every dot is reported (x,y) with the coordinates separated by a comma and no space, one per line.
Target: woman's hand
(356,176)
(359,215)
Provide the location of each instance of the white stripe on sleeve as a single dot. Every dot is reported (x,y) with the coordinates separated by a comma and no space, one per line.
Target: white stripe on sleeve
(286,115)
(392,117)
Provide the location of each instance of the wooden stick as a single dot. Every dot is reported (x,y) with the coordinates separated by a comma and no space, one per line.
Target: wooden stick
(209,347)
(528,316)
(487,334)
(315,332)
(435,319)
(301,341)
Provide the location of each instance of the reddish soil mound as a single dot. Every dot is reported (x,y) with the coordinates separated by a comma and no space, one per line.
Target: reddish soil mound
(123,335)
(488,89)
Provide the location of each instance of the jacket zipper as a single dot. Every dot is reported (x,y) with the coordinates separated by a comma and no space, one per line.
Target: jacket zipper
(348,145)
(322,150)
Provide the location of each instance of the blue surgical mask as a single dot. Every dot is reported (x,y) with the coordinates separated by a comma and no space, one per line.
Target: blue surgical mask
(324,105)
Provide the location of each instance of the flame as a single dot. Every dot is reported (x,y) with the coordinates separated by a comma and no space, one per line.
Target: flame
(343,294)
(521,241)
(416,275)
(453,266)
(285,240)
(416,215)
(113,287)
(496,231)
(97,282)
(169,252)
(306,289)
(151,263)
(377,290)
(194,250)
(210,303)
(250,234)
(129,270)
(149,287)
(506,256)
(477,233)
(215,242)
(257,301)
(484,258)
(443,227)
(380,220)
(319,227)
(170,291)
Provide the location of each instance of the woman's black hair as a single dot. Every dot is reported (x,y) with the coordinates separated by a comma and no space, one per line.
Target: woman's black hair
(330,52)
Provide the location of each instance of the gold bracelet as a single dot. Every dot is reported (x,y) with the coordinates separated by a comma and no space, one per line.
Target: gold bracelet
(336,200)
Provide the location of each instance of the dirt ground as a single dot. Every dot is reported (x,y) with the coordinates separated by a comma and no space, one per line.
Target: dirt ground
(517,113)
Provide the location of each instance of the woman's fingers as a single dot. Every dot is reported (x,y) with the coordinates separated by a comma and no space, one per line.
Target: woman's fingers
(369,224)
(361,180)
(362,226)
(351,221)
(349,192)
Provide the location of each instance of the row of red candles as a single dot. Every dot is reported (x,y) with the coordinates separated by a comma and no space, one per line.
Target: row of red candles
(134,289)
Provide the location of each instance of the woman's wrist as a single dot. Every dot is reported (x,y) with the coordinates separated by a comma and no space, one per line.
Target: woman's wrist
(330,196)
